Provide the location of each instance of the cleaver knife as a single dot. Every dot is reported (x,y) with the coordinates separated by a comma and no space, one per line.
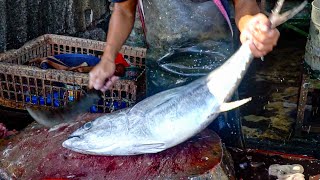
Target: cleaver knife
(51,117)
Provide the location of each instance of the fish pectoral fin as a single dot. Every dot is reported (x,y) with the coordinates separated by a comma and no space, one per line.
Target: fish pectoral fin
(232,105)
(149,147)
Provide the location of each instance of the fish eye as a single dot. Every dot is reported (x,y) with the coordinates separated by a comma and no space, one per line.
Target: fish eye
(87,125)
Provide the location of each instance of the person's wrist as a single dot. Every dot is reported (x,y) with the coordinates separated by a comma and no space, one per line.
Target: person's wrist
(107,59)
(109,53)
(243,22)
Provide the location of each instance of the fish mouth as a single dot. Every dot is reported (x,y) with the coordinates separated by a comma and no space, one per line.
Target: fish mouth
(75,136)
(68,145)
(85,150)
(69,141)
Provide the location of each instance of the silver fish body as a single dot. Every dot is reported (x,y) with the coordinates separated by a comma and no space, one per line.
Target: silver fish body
(165,119)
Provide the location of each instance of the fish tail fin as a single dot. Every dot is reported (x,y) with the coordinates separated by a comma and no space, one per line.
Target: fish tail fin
(232,105)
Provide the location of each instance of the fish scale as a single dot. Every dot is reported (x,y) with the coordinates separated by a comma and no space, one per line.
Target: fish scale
(177,116)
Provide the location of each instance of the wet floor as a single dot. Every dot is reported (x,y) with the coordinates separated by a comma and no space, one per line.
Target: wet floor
(269,120)
(254,164)
(14,119)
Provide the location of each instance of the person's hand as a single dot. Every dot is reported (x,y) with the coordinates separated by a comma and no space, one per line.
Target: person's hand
(262,38)
(101,77)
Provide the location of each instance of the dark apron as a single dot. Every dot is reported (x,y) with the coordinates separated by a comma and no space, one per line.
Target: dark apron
(187,39)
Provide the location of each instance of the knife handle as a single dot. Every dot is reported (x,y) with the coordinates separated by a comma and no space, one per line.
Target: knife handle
(120,70)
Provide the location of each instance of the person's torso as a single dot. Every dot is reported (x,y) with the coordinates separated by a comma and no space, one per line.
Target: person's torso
(172,24)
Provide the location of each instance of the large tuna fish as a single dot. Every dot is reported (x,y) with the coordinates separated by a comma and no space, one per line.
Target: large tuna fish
(170,117)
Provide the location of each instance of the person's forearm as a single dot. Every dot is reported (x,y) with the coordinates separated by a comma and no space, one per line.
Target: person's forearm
(244,9)
(120,27)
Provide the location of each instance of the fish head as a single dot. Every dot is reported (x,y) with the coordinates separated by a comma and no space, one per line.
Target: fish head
(100,136)
(111,135)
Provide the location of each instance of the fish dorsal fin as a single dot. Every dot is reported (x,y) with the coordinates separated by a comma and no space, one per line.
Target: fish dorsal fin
(232,105)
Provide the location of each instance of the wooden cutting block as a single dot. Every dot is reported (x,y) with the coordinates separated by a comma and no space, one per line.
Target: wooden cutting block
(37,153)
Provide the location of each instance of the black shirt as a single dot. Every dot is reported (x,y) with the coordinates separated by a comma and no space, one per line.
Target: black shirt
(118,1)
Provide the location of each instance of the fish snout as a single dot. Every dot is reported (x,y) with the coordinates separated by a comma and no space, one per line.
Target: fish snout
(71,141)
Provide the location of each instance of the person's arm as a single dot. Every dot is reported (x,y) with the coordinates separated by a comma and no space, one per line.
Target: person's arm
(255,27)
(120,26)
